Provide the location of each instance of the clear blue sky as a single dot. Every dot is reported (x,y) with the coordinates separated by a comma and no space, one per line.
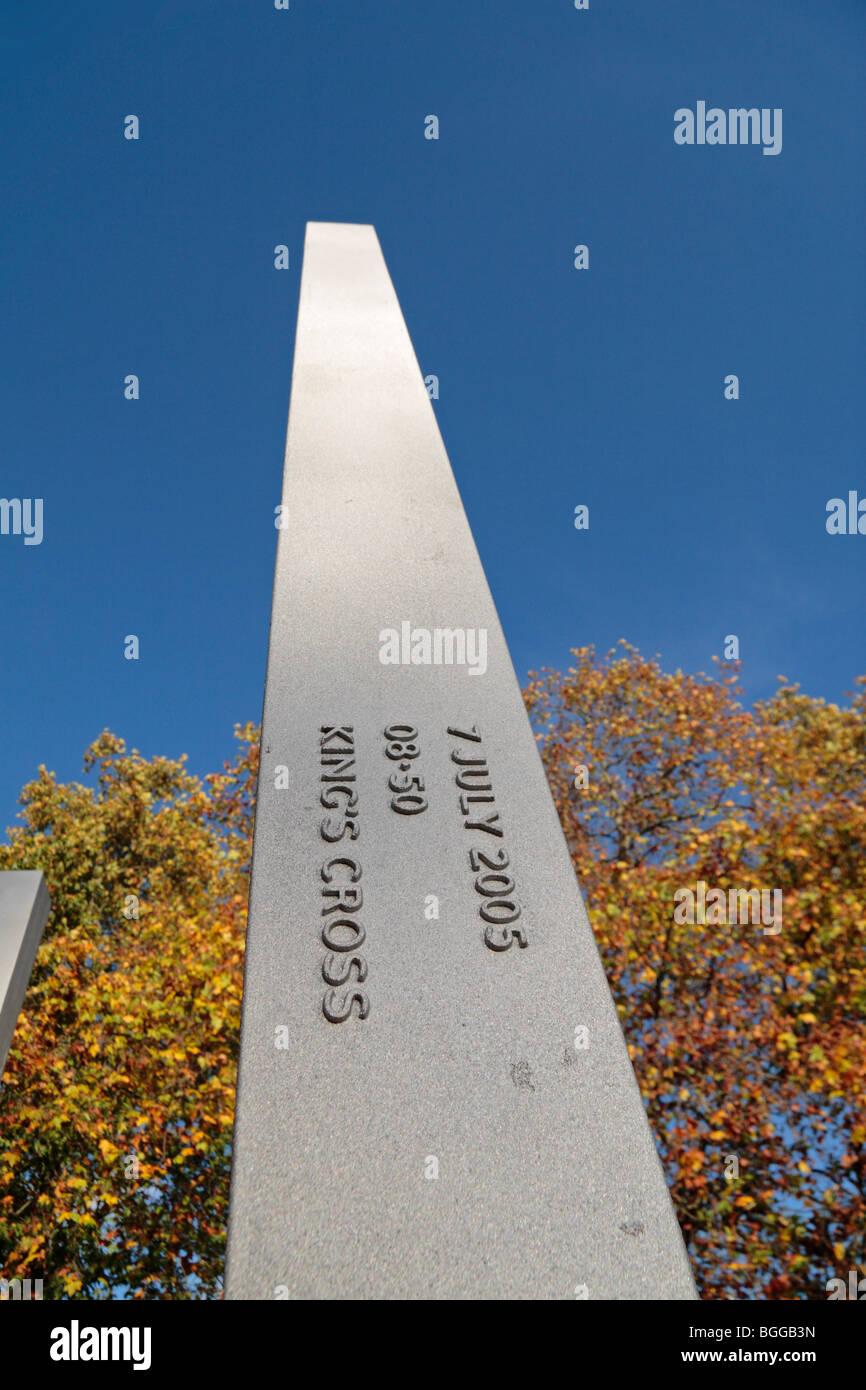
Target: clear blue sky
(558,387)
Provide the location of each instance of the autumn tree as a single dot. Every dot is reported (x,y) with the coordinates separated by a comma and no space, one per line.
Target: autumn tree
(749,1042)
(117,1101)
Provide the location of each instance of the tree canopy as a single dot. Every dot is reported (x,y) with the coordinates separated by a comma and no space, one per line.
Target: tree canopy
(117,1101)
(749,1042)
